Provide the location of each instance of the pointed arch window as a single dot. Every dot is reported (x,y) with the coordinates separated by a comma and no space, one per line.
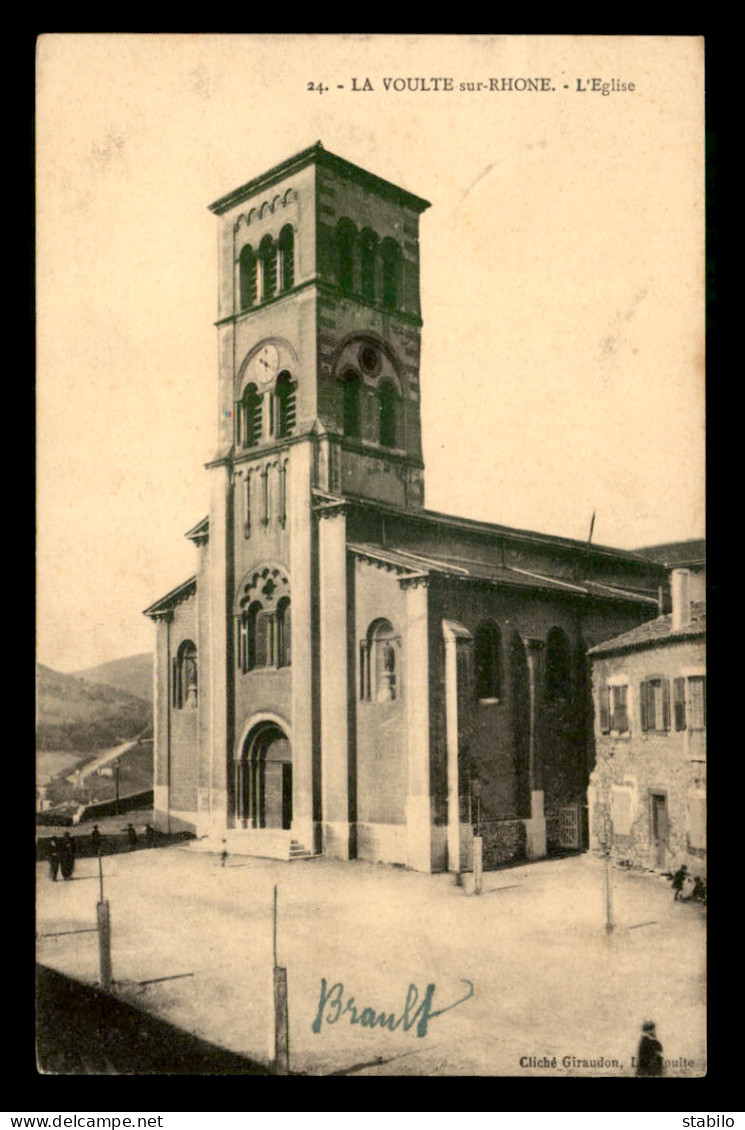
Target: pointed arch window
(268,257)
(488,661)
(249,417)
(352,404)
(286,258)
(387,402)
(247,276)
(285,398)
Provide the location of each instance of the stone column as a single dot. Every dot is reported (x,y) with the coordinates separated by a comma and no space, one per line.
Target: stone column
(218,611)
(333,631)
(416,698)
(452,633)
(161,722)
(300,529)
(535,827)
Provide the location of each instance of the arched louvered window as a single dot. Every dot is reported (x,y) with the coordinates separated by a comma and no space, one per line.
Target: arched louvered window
(488,661)
(387,400)
(285,398)
(368,261)
(268,257)
(558,665)
(247,277)
(390,255)
(250,417)
(287,258)
(346,235)
(352,404)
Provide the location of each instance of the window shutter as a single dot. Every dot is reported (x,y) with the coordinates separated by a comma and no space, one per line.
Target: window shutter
(651,706)
(665,704)
(679,703)
(643,706)
(604,703)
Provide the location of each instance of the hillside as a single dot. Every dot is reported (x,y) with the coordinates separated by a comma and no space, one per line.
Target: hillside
(133,674)
(76,714)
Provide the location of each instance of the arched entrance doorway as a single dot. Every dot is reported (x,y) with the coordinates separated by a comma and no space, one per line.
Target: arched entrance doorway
(264,785)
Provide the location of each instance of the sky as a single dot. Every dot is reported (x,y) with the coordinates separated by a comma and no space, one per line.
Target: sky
(562,264)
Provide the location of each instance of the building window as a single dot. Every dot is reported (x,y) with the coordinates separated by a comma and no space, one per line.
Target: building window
(185,676)
(286,258)
(379,676)
(697,702)
(558,665)
(268,258)
(352,404)
(264,626)
(284,633)
(346,235)
(285,399)
(614,709)
(488,660)
(390,255)
(248,418)
(654,703)
(368,249)
(247,277)
(387,396)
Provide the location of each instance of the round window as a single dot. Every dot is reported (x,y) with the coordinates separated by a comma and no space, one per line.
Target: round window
(369,359)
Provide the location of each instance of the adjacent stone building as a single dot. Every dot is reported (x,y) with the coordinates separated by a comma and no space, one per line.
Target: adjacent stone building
(348,672)
(648,788)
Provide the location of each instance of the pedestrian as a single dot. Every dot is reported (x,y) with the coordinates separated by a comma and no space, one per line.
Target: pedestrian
(67,856)
(699,890)
(54,858)
(131,836)
(96,840)
(224,853)
(679,880)
(649,1057)
(150,835)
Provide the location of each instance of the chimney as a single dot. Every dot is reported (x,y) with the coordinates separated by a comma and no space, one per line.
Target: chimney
(680,585)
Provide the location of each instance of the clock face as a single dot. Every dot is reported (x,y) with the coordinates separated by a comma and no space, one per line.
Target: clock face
(266,364)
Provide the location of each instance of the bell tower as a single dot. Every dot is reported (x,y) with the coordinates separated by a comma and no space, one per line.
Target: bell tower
(318,391)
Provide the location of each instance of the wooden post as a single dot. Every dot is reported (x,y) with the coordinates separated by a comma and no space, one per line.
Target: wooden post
(478,865)
(104,943)
(280,1048)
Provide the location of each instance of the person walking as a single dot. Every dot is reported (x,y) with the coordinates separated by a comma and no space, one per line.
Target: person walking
(131,836)
(67,856)
(649,1057)
(54,858)
(679,880)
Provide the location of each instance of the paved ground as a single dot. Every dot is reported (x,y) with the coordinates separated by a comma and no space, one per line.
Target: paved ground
(548,981)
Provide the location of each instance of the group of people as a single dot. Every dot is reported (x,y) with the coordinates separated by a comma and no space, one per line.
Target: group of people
(62,851)
(679,881)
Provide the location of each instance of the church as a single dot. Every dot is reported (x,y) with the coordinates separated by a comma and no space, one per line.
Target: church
(348,673)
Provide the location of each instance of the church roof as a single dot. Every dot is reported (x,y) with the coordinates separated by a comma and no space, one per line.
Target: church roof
(676,554)
(658,631)
(176,596)
(320,156)
(415,564)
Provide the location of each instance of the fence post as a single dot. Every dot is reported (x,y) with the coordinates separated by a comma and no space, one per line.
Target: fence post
(104,943)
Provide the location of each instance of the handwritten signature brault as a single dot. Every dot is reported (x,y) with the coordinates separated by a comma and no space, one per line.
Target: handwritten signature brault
(332,1007)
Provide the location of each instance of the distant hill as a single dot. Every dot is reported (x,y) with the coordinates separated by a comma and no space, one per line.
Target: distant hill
(74,713)
(134,674)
